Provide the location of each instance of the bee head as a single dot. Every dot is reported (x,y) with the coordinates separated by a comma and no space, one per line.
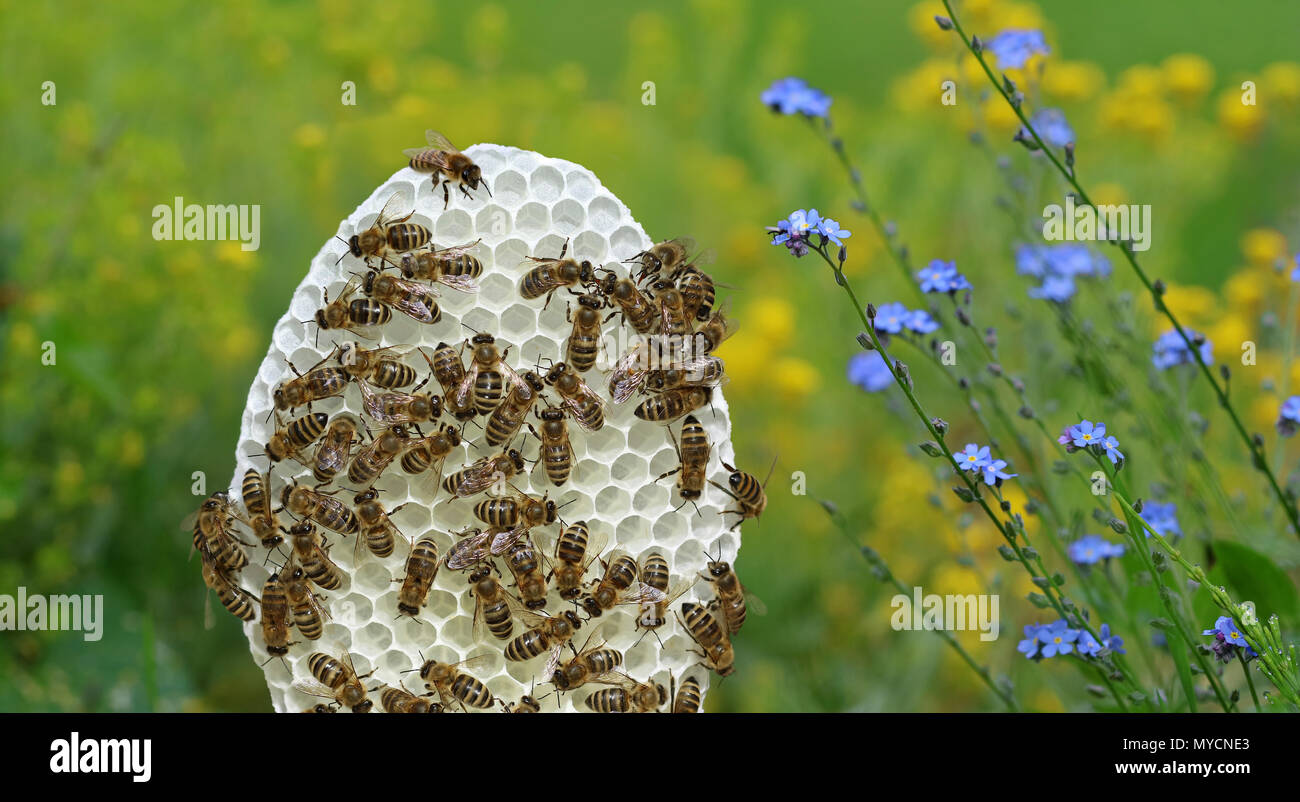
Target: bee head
(717,568)
(551,512)
(471,175)
(354,245)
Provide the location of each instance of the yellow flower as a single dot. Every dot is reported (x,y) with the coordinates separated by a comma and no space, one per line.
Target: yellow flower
(1280,82)
(1153,118)
(1073,80)
(131,449)
(746,356)
(232,253)
(1141,80)
(383,74)
(922,88)
(772,317)
(1243,121)
(1000,116)
(795,378)
(1190,304)
(1263,412)
(1263,247)
(921,20)
(1020,16)
(1244,291)
(1109,194)
(1187,76)
(1227,335)
(22,338)
(309,135)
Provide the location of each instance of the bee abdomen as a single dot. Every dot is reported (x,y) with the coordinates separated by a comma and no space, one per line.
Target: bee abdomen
(471,692)
(609,700)
(527,646)
(559,463)
(390,375)
(407,236)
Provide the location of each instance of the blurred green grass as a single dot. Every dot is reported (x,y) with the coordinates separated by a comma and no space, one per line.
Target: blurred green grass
(239,103)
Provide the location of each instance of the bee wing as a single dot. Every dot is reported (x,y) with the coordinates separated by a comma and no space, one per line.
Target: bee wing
(753,603)
(439,159)
(418,303)
(596,543)
(629,374)
(552,662)
(209,618)
(705,257)
(456,250)
(313,688)
(463,393)
(468,551)
(373,404)
(511,377)
(574,405)
(398,200)
(331,456)
(504,541)
(462,283)
(437,140)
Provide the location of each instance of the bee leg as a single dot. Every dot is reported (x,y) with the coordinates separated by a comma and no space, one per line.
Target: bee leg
(446,194)
(665,475)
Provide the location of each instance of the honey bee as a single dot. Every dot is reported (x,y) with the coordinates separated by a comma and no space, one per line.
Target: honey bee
(451,683)
(393,407)
(380,367)
(484,473)
(514,514)
(619,585)
(575,550)
(580,400)
(750,496)
(664,257)
(312,556)
(733,598)
(416,301)
(637,309)
(688,698)
(428,453)
(552,274)
(649,365)
(595,664)
(672,404)
(400,700)
(693,462)
(320,708)
(672,308)
(377,527)
(450,372)
(372,460)
(715,330)
(711,636)
(494,607)
(357,315)
(628,696)
(701,371)
(583,346)
(233,597)
(525,564)
(697,291)
(316,384)
(308,613)
(389,234)
(421,569)
(214,534)
(655,576)
(473,547)
(447,165)
(526,704)
(319,507)
(275,617)
(338,680)
(543,634)
(455,267)
(556,450)
(335,448)
(256,490)
(509,415)
(485,380)
(289,441)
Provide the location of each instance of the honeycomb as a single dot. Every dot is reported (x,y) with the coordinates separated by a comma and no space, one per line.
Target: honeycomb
(536,204)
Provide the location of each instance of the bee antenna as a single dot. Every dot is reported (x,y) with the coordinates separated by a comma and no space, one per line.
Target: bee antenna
(485,186)
(769,473)
(476,331)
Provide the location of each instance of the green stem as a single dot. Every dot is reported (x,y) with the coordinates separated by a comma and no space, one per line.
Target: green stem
(1250,681)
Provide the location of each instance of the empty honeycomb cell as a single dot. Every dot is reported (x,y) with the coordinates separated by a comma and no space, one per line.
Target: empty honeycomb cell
(664,460)
(611,486)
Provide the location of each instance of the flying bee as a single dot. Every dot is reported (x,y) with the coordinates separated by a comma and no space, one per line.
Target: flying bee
(664,257)
(693,459)
(455,267)
(526,565)
(308,613)
(638,310)
(715,330)
(509,415)
(688,698)
(335,448)
(556,449)
(400,700)
(319,507)
(389,234)
(393,407)
(580,400)
(514,514)
(289,441)
(233,597)
(338,680)
(380,367)
(583,345)
(452,684)
(618,585)
(214,534)
(316,384)
(595,664)
(429,452)
(485,380)
(421,570)
(484,473)
(628,696)
(552,274)
(357,315)
(275,617)
(256,490)
(450,372)
(544,634)
(697,291)
(655,576)
(447,165)
(733,598)
(575,550)
(312,556)
(672,404)
(377,527)
(750,496)
(711,636)
(371,461)
(416,301)
(672,308)
(494,607)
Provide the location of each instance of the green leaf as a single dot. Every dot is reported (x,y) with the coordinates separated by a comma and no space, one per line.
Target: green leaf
(1256,578)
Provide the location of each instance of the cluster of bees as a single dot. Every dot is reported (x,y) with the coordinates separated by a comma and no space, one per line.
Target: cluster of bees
(670,302)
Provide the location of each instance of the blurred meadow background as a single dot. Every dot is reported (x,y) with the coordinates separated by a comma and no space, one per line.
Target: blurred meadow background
(239,102)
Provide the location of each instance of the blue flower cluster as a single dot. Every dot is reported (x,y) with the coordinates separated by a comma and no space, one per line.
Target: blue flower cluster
(795,96)
(795,231)
(1092,549)
(867,369)
(1288,416)
(1058,266)
(941,276)
(1170,350)
(1086,434)
(1050,640)
(894,318)
(1014,48)
(1228,639)
(1162,517)
(1295,271)
(977,458)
